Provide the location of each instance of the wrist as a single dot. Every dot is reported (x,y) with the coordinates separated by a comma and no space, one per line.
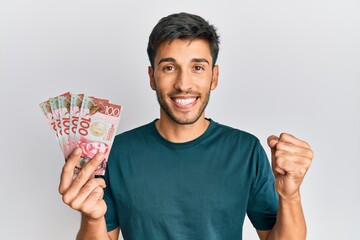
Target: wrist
(295,197)
(92,229)
(91,220)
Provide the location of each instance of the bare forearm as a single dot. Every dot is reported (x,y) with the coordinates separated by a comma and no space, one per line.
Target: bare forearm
(93,229)
(290,221)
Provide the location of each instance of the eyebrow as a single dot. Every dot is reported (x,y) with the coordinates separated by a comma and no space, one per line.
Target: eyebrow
(170,59)
(199,60)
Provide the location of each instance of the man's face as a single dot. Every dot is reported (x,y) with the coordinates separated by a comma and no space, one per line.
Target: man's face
(183,78)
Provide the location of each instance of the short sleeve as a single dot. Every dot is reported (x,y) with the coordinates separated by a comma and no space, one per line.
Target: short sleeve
(263,199)
(111,213)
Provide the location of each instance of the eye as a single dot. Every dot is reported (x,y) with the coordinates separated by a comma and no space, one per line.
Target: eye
(199,68)
(168,68)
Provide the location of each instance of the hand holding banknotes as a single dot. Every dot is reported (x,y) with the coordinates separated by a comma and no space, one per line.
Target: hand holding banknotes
(83,193)
(83,121)
(85,127)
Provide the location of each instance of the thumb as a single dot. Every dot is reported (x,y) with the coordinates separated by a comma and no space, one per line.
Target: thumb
(272,141)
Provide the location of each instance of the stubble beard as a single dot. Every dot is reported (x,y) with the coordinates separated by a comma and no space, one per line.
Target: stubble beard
(182,120)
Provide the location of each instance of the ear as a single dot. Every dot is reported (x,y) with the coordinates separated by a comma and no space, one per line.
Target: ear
(151,78)
(215,77)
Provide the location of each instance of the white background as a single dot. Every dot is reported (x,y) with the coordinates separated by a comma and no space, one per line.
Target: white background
(284,66)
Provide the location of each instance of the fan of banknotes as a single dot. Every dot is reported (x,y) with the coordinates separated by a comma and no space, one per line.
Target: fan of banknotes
(83,121)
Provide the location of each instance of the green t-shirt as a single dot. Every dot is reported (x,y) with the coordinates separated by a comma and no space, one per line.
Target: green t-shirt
(196,190)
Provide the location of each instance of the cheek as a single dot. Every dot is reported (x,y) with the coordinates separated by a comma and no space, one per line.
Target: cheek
(204,84)
(164,85)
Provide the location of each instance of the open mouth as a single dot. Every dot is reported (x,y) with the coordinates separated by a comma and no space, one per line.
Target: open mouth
(184,102)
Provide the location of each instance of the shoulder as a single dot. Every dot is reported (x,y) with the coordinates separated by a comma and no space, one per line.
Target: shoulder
(133,134)
(130,140)
(235,134)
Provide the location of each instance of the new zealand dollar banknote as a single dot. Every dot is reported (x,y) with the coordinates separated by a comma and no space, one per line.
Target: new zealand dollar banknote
(83,121)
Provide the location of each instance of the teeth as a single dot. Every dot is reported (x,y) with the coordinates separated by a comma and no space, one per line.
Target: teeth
(184,101)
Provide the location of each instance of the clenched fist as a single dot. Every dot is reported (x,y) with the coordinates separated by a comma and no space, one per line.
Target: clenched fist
(291,159)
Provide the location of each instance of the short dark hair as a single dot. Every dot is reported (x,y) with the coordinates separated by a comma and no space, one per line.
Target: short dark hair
(183,26)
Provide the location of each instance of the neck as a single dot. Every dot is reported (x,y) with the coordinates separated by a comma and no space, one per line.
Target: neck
(179,133)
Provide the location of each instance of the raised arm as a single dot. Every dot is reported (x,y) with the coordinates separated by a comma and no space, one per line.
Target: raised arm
(291,159)
(85,194)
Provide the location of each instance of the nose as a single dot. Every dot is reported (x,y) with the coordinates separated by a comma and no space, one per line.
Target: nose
(183,81)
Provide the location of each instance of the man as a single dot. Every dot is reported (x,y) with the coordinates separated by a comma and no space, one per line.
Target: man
(184,176)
